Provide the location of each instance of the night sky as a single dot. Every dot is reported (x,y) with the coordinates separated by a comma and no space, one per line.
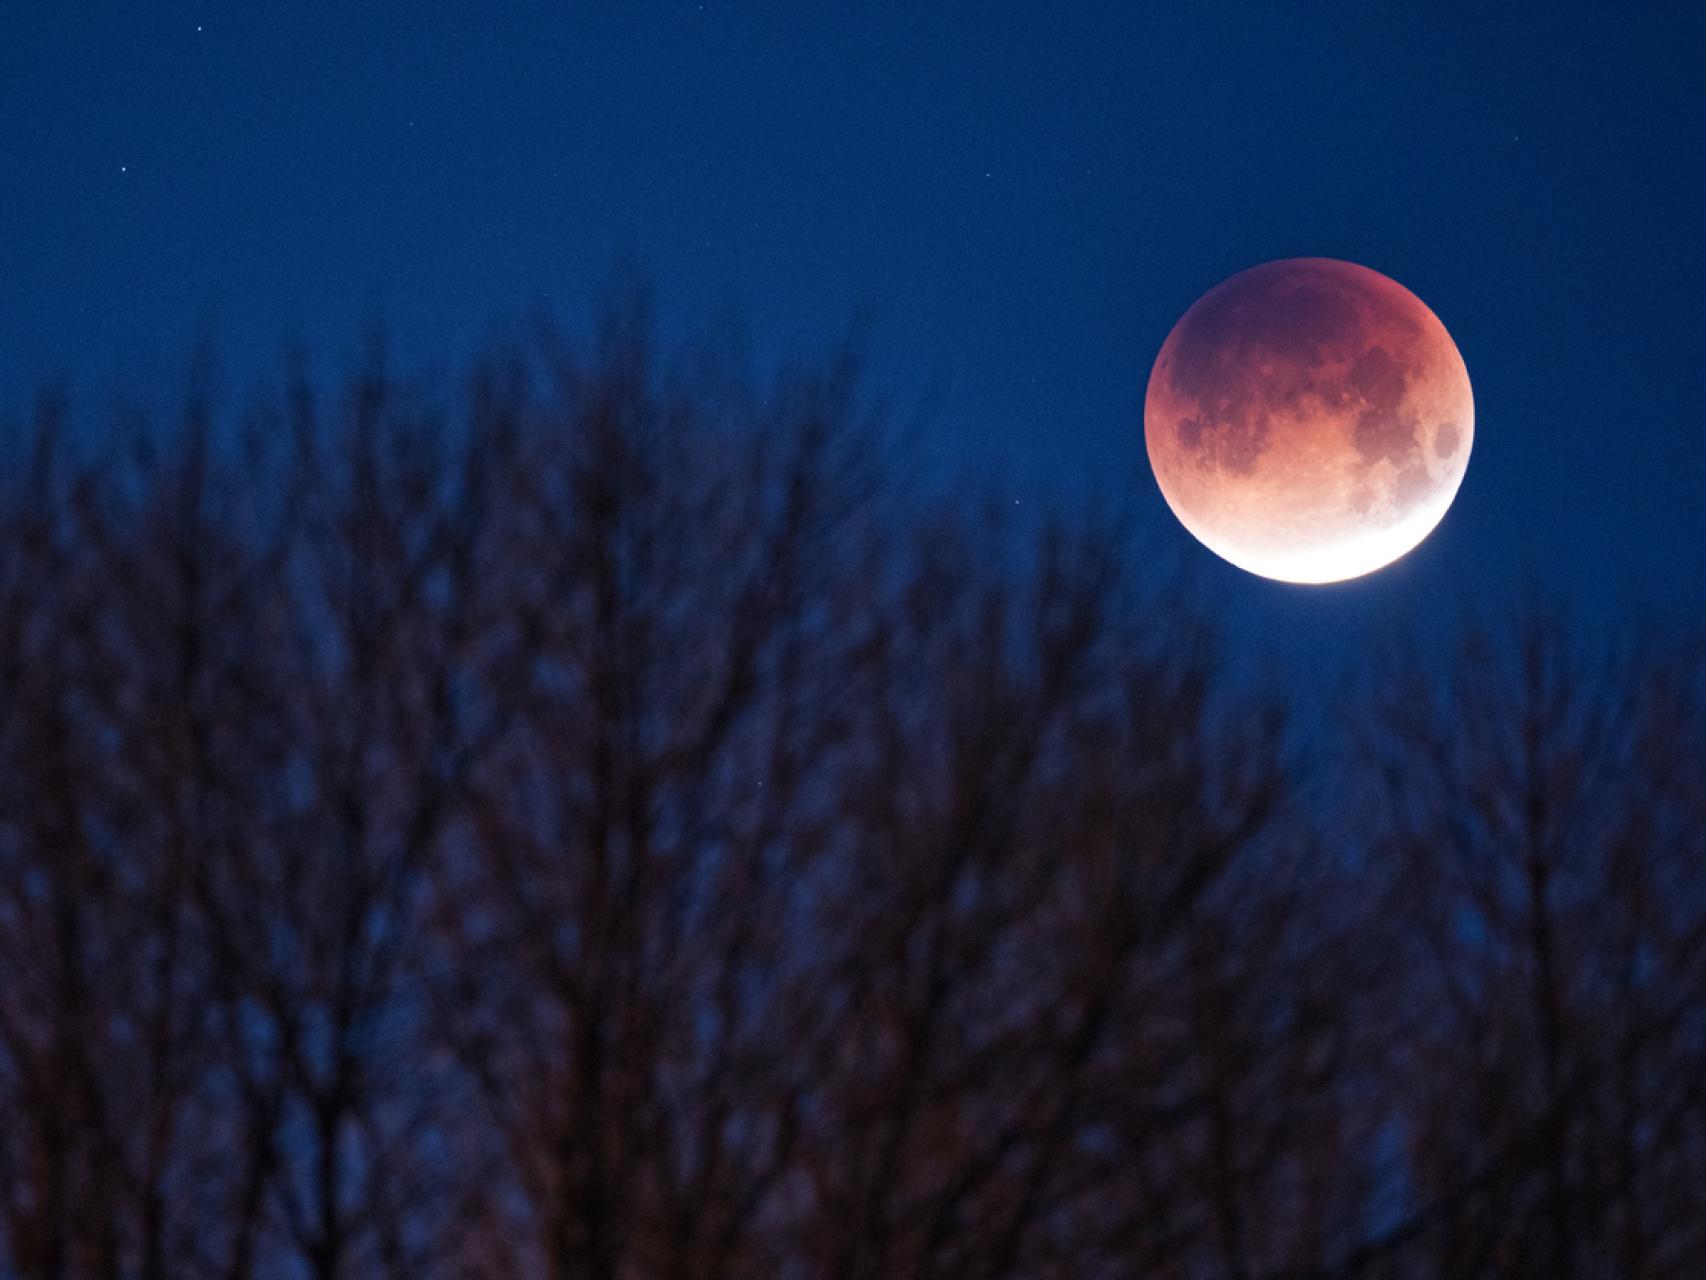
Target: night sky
(1024,196)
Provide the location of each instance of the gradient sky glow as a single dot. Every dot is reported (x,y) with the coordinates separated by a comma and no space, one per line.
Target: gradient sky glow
(1026,196)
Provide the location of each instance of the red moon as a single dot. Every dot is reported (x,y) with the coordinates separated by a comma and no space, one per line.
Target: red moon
(1309,420)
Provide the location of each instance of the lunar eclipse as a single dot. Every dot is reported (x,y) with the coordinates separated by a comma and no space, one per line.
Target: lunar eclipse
(1309,420)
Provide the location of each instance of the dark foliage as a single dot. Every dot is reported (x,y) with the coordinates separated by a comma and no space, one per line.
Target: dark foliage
(579,829)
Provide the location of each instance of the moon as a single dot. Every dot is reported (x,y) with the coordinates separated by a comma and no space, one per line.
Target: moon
(1309,420)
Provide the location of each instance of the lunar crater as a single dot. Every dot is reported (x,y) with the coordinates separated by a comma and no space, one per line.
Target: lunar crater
(1285,419)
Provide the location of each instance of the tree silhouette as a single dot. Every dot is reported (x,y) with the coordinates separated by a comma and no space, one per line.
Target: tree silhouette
(1541,818)
(580,826)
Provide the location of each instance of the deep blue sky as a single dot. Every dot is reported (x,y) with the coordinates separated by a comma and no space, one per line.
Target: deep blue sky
(1026,195)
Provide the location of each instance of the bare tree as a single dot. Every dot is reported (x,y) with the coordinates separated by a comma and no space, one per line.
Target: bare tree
(583,824)
(1076,882)
(620,965)
(1541,818)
